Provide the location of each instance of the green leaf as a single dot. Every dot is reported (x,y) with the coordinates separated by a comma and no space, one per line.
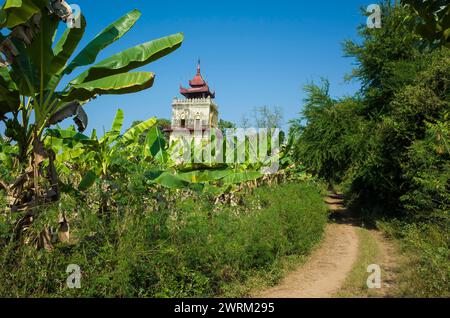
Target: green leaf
(170,181)
(40,51)
(155,145)
(16,12)
(240,177)
(134,132)
(23,73)
(118,122)
(205,176)
(66,45)
(6,80)
(108,36)
(9,101)
(87,181)
(9,95)
(132,58)
(116,84)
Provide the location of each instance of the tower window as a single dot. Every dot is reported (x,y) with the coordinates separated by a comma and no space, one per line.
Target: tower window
(183,123)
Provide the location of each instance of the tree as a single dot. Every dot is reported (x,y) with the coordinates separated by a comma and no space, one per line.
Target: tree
(264,117)
(377,141)
(328,134)
(31,99)
(433,23)
(224,124)
(382,58)
(161,123)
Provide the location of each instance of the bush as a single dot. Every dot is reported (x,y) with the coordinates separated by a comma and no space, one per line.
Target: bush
(427,271)
(189,248)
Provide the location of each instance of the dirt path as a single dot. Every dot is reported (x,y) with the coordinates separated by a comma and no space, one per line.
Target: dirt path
(329,264)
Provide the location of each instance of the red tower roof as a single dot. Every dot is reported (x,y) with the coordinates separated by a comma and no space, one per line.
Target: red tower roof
(199,88)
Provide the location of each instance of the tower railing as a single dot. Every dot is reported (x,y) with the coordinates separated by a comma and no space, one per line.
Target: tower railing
(189,101)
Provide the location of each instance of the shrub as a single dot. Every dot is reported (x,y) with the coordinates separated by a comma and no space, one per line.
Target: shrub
(183,248)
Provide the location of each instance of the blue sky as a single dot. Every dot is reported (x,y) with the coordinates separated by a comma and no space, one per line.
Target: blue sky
(253,53)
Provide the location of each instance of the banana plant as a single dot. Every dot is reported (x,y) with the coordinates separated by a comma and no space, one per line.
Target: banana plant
(97,155)
(31,96)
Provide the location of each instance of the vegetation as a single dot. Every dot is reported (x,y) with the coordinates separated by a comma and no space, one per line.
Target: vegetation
(263,117)
(388,146)
(355,284)
(141,220)
(32,100)
(176,244)
(138,221)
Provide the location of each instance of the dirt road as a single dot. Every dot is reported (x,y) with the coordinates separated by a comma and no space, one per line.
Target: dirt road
(328,266)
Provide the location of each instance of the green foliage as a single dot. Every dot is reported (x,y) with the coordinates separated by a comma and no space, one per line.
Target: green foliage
(164,244)
(434,20)
(428,172)
(224,124)
(389,144)
(30,84)
(325,135)
(16,12)
(426,273)
(368,141)
(381,58)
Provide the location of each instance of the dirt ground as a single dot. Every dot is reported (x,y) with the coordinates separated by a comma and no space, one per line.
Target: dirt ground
(330,263)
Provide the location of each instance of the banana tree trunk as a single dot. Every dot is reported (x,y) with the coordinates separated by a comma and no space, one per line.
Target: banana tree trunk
(36,186)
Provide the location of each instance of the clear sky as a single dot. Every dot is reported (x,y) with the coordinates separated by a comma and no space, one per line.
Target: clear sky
(253,53)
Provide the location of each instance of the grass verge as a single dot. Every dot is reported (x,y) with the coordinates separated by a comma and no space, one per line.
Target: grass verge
(355,285)
(188,248)
(425,269)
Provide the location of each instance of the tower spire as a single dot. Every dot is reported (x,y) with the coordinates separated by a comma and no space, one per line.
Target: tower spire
(199,88)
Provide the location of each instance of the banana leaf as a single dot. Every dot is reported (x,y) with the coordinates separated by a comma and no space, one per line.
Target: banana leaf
(87,181)
(23,72)
(134,132)
(106,37)
(65,47)
(205,176)
(240,177)
(9,101)
(73,109)
(155,146)
(6,80)
(16,12)
(40,51)
(118,122)
(116,84)
(132,58)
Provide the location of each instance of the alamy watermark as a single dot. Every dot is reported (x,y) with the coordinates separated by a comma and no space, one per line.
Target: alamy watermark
(69,13)
(74,20)
(260,146)
(74,278)
(374,279)
(374,19)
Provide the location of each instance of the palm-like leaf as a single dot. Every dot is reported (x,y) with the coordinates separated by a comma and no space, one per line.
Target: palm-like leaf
(155,146)
(132,58)
(112,85)
(66,45)
(134,132)
(16,12)
(108,36)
